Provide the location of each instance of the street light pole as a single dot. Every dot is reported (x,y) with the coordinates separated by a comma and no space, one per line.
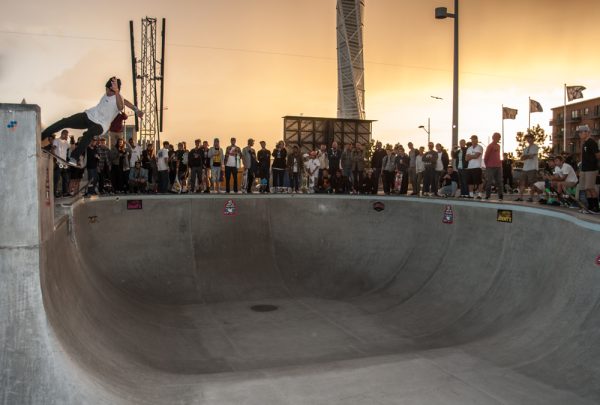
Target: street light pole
(441,13)
(428,130)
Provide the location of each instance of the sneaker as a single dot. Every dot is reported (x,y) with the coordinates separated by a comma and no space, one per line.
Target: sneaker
(530,199)
(518,199)
(73,163)
(500,198)
(542,201)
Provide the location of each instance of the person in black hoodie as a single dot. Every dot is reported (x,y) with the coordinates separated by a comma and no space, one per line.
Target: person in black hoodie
(402,164)
(334,156)
(196,163)
(430,158)
(376,163)
(460,162)
(279,166)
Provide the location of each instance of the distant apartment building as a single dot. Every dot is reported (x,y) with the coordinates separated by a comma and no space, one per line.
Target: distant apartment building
(583,112)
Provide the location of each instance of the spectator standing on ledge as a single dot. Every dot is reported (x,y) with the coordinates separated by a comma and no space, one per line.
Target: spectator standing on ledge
(91,159)
(346,164)
(205,167)
(441,165)
(233,155)
(279,165)
(103,164)
(461,164)
(196,163)
(136,152)
(388,166)
(149,163)
(119,158)
(358,166)
(295,166)
(402,166)
(323,160)
(162,164)
(264,165)
(430,159)
(493,168)
(589,167)
(412,169)
(216,156)
(60,147)
(420,167)
(312,168)
(507,173)
(376,163)
(529,175)
(474,172)
(334,157)
(250,166)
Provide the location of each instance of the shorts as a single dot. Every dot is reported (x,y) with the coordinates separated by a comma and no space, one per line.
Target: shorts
(540,185)
(474,176)
(529,177)
(587,180)
(568,184)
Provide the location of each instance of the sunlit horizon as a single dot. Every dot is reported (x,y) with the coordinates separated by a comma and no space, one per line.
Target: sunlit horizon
(234,68)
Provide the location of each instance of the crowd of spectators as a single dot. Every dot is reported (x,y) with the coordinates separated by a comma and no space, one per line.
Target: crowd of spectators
(469,171)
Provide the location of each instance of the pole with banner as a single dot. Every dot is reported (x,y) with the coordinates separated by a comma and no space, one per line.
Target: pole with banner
(507,114)
(571,93)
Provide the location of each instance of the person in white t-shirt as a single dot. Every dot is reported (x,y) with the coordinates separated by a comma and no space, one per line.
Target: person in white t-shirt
(136,152)
(312,169)
(162,163)
(564,176)
(530,173)
(473,172)
(95,120)
(60,147)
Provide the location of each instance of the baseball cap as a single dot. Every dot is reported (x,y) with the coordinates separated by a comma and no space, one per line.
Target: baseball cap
(583,128)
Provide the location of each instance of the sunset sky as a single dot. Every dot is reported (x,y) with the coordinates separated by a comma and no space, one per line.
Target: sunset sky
(235,67)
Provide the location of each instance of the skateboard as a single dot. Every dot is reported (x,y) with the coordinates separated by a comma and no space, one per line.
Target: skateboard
(583,208)
(62,163)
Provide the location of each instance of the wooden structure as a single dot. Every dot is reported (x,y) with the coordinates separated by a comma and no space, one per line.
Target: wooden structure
(310,132)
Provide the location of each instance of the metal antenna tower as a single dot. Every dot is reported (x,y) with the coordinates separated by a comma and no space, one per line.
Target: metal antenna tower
(151,102)
(351,69)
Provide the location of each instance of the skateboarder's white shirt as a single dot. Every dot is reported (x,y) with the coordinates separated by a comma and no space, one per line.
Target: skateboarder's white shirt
(105,112)
(61,147)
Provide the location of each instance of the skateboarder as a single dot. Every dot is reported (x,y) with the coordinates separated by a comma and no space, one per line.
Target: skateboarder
(95,120)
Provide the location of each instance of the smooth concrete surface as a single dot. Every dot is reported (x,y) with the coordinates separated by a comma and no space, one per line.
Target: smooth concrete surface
(152,306)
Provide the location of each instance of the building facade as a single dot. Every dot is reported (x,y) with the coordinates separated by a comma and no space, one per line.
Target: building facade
(580,113)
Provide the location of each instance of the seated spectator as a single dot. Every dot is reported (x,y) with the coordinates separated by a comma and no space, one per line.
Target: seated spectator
(545,186)
(339,183)
(367,183)
(324,184)
(564,176)
(138,179)
(449,183)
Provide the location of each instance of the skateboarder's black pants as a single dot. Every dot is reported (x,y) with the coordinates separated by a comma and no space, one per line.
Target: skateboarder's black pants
(77,121)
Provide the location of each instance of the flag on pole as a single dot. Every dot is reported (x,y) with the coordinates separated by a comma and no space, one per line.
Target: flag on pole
(534,106)
(575,92)
(509,113)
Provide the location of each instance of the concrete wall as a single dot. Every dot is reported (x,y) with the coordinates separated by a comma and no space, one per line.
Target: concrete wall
(27,364)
